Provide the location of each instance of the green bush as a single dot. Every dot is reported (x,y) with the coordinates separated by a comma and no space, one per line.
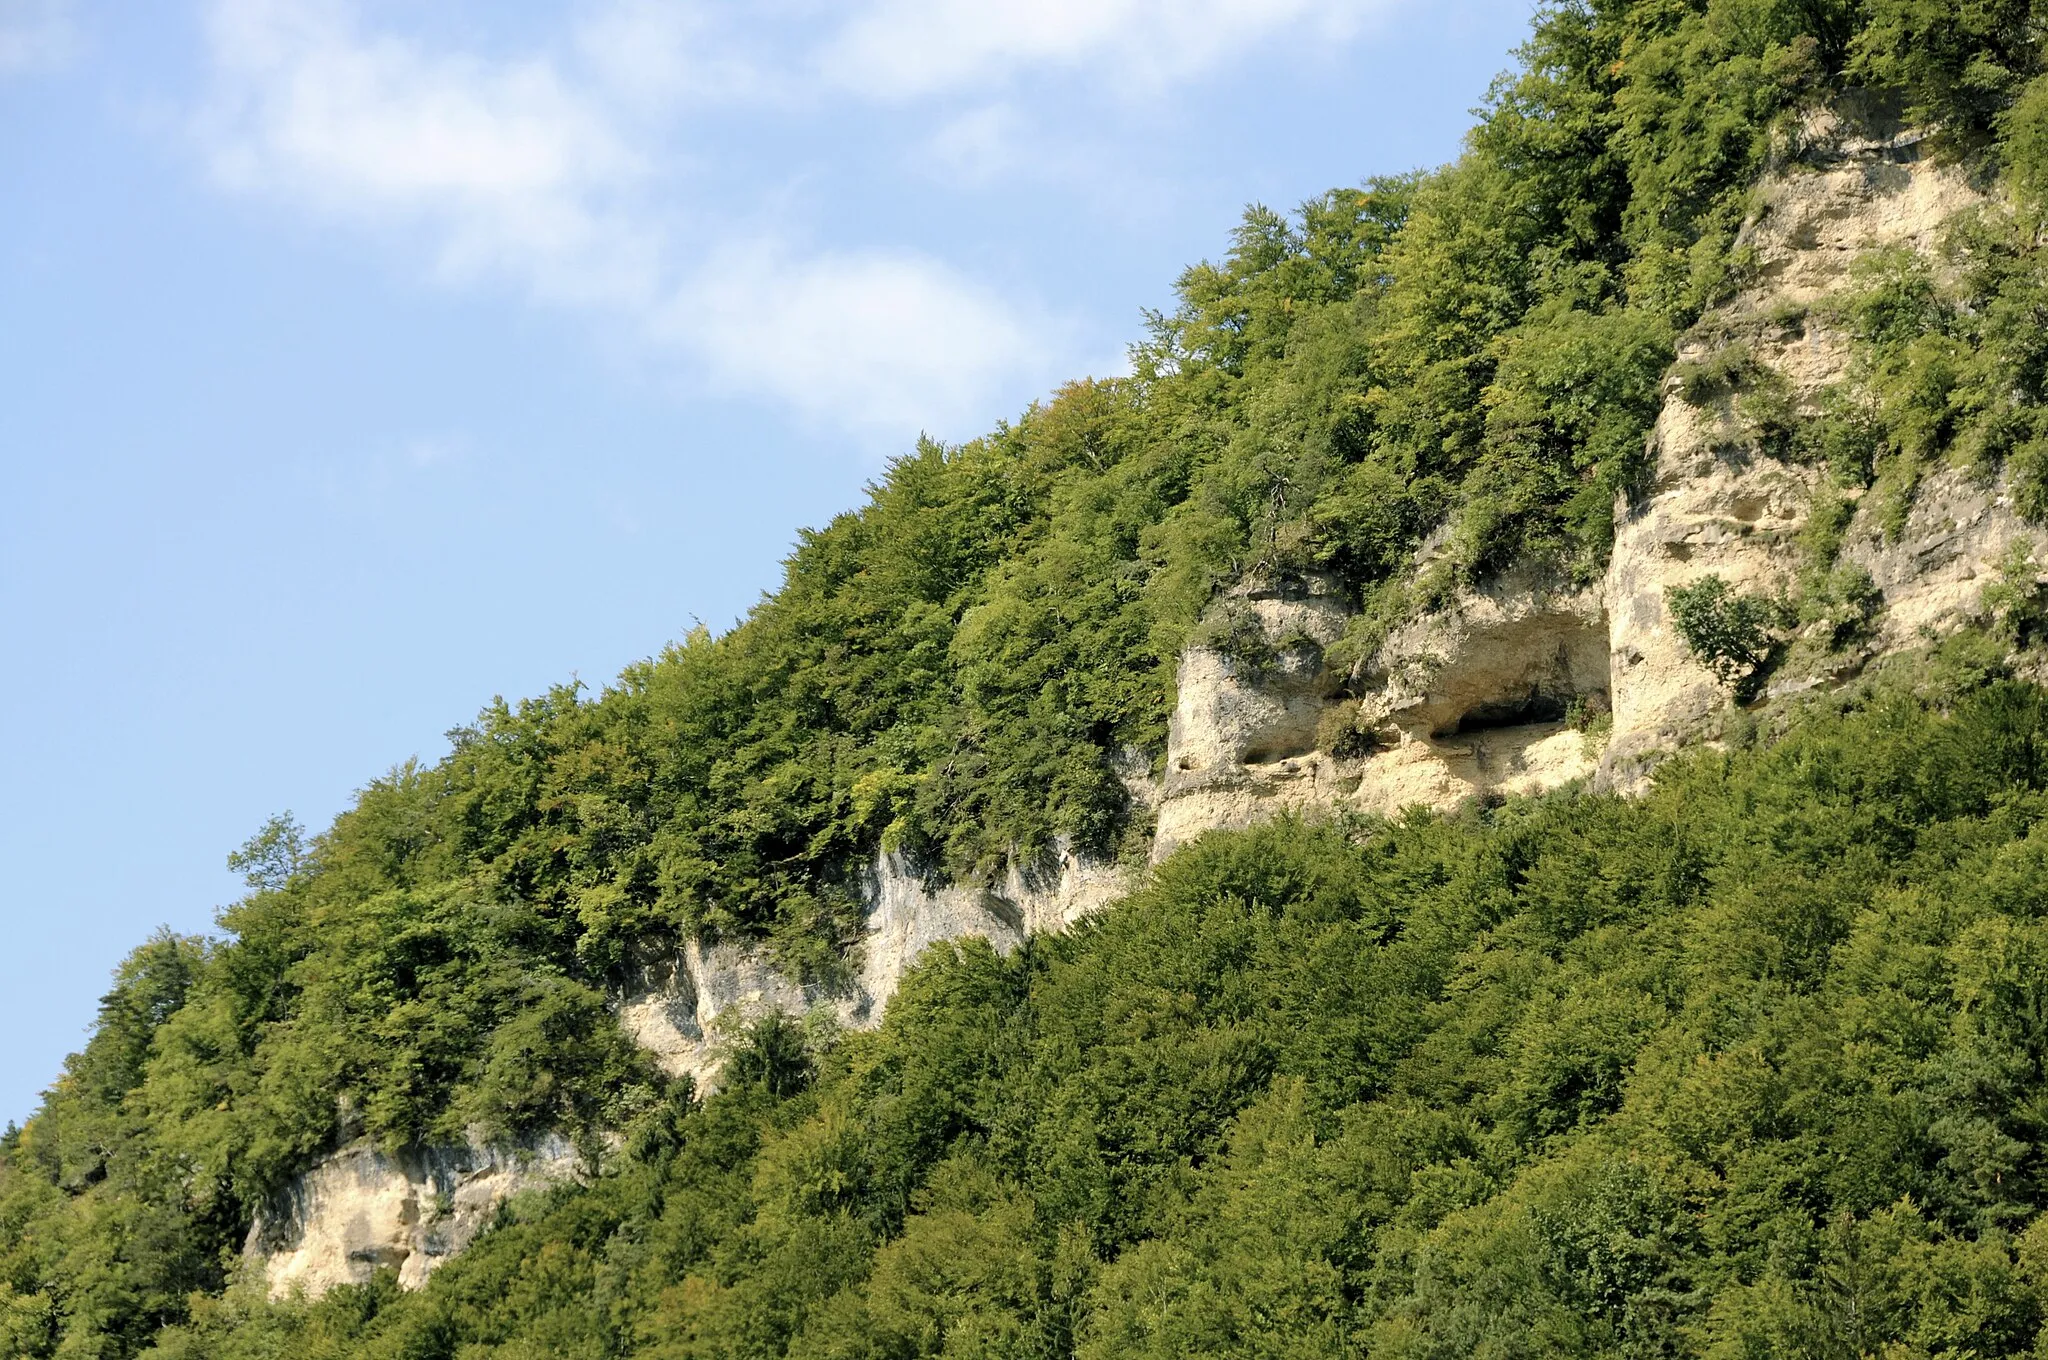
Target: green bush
(1733,635)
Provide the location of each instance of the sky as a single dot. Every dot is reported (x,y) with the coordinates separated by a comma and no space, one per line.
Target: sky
(361,360)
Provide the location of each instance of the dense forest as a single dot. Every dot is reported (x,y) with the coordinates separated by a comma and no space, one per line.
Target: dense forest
(1749,1066)
(1753,1066)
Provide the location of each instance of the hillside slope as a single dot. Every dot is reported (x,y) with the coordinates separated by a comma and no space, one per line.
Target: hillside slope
(1709,378)
(1751,1066)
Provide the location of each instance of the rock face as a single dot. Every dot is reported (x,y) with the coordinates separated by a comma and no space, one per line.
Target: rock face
(675,1012)
(360,1210)
(1957,533)
(1719,506)
(680,1013)
(1242,743)
(1471,700)
(1468,701)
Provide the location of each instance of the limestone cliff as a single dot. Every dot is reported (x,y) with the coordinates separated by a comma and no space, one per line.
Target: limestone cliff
(684,1006)
(1489,694)
(361,1210)
(1470,700)
(1718,505)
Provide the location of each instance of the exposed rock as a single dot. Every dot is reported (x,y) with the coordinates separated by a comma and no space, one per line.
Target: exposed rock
(1715,509)
(1241,745)
(675,1012)
(361,1210)
(680,1014)
(1957,534)
(1516,652)
(1466,701)
(1717,505)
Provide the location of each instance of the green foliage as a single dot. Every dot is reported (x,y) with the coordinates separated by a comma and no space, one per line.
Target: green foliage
(2017,602)
(1959,63)
(1732,634)
(1727,369)
(1954,370)
(772,1054)
(1103,1145)
(270,857)
(1750,1066)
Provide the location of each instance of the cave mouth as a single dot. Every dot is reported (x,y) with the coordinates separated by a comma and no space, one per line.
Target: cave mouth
(1526,672)
(1525,711)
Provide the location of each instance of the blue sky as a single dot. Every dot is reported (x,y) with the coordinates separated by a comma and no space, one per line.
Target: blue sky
(360,361)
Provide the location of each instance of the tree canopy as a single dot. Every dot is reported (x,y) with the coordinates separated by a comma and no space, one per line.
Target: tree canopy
(1576,1074)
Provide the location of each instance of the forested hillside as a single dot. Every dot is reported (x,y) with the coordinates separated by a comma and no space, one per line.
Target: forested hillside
(1749,1066)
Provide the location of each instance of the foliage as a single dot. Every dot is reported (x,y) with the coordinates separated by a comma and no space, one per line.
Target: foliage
(1751,1066)
(2017,603)
(965,668)
(1949,367)
(1732,634)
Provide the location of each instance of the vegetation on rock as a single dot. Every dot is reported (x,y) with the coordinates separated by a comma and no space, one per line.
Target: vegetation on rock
(1730,633)
(1751,1067)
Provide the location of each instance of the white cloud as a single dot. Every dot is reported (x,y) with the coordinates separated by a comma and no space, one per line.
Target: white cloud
(515,173)
(871,338)
(564,173)
(978,146)
(643,50)
(906,49)
(35,35)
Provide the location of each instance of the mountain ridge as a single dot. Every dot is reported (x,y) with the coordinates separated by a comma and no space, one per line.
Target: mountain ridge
(1698,396)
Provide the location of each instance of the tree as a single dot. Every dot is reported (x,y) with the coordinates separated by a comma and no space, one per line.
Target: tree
(268,860)
(1733,635)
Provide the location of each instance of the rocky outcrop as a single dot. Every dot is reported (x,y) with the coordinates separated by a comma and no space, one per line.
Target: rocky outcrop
(362,1210)
(1957,533)
(675,1012)
(1471,700)
(1719,505)
(684,1010)
(1242,742)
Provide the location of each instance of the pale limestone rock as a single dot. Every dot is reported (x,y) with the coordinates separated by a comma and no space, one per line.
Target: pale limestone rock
(1846,188)
(1467,702)
(1956,538)
(1516,651)
(1717,506)
(361,1210)
(674,1014)
(1241,745)
(682,1013)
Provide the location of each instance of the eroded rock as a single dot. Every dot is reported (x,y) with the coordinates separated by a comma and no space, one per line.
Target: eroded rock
(683,1011)
(361,1210)
(1719,505)
(1467,701)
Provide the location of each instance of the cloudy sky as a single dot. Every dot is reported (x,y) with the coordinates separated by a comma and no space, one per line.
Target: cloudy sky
(361,360)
